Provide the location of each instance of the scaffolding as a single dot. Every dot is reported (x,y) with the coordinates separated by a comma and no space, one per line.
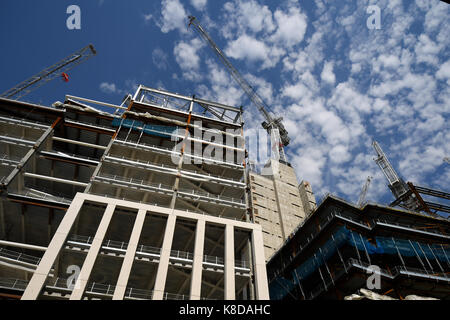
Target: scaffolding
(313,263)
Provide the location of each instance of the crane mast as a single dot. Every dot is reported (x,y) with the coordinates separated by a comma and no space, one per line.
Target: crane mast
(398,187)
(274,126)
(362,196)
(50,73)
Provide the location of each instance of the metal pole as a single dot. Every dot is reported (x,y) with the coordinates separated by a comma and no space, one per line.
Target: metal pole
(421,262)
(22,245)
(299,284)
(435,258)
(339,253)
(398,252)
(356,248)
(365,249)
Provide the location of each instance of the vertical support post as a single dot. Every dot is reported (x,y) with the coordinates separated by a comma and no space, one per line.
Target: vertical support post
(40,275)
(197,265)
(163,266)
(259,266)
(127,263)
(230,293)
(92,254)
(365,249)
(418,257)
(437,261)
(356,248)
(398,253)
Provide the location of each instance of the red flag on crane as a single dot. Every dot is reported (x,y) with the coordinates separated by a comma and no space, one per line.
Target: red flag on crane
(65,77)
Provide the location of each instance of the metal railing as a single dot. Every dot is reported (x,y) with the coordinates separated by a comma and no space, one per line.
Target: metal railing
(12,159)
(41,195)
(173,167)
(166,188)
(6,137)
(162,206)
(135,181)
(90,124)
(30,123)
(19,257)
(143,249)
(140,145)
(57,152)
(16,284)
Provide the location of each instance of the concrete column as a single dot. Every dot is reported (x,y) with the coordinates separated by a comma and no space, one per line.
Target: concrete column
(163,266)
(129,256)
(92,254)
(197,265)
(259,266)
(40,275)
(230,292)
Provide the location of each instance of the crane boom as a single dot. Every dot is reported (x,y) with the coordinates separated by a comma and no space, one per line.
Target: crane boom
(399,188)
(274,126)
(50,73)
(362,196)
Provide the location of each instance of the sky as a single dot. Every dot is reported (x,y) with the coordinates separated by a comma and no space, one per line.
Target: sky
(339,77)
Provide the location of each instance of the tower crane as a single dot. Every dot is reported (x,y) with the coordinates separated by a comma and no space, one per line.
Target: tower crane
(408,195)
(58,69)
(273,125)
(362,196)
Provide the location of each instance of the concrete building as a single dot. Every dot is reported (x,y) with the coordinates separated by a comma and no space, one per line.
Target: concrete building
(342,249)
(279,203)
(148,200)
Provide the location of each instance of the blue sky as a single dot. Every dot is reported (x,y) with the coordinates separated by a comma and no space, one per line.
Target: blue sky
(337,83)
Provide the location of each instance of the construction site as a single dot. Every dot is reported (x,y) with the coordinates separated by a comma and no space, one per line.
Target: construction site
(154,198)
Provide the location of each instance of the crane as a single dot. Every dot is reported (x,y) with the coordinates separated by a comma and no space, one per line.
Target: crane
(273,125)
(362,196)
(398,187)
(58,69)
(408,195)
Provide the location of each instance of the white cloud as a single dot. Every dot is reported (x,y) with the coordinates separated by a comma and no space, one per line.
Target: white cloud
(247,47)
(159,58)
(108,87)
(188,59)
(339,154)
(291,27)
(246,17)
(427,50)
(444,71)
(174,16)
(328,74)
(199,4)
(148,17)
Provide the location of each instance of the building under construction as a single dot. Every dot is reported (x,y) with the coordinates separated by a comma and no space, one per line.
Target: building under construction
(279,203)
(333,253)
(116,205)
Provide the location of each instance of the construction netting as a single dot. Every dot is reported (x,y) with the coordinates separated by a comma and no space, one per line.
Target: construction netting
(281,286)
(154,130)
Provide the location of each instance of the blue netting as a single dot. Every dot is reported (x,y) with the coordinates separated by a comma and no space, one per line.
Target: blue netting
(280,287)
(155,130)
